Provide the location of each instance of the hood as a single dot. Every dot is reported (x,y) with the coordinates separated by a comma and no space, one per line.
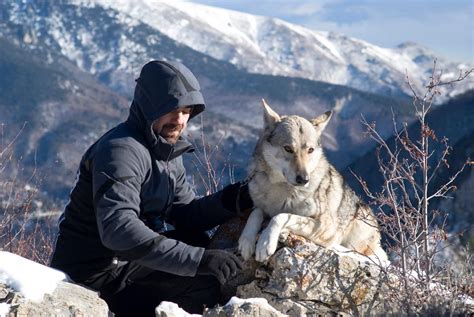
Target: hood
(161,88)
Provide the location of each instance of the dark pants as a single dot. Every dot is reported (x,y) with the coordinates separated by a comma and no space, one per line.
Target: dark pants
(135,290)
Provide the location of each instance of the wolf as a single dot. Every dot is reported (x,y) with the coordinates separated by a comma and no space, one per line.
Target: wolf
(291,181)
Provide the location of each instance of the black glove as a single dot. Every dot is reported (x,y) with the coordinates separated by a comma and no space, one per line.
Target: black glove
(236,197)
(219,263)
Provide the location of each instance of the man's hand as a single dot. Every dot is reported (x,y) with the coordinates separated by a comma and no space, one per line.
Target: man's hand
(219,263)
(236,197)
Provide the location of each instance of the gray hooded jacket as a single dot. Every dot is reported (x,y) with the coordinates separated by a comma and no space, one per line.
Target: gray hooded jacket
(129,179)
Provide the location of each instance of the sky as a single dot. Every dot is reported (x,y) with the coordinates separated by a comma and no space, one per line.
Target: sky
(445,26)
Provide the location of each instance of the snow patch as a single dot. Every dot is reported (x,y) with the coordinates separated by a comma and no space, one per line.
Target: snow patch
(262,302)
(4,309)
(31,279)
(172,309)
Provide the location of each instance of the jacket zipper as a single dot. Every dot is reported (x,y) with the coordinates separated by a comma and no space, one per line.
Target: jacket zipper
(168,204)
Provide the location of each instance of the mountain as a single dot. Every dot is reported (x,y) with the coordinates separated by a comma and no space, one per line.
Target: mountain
(76,64)
(48,106)
(57,111)
(103,43)
(67,109)
(271,46)
(255,44)
(459,204)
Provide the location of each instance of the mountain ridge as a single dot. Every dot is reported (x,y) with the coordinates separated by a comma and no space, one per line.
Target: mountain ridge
(92,42)
(272,46)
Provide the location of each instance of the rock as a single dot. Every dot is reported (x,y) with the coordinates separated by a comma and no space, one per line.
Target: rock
(3,292)
(169,309)
(235,307)
(245,276)
(238,307)
(66,300)
(306,278)
(29,278)
(32,289)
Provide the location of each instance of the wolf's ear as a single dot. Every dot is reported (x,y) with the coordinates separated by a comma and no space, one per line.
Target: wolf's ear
(270,117)
(321,121)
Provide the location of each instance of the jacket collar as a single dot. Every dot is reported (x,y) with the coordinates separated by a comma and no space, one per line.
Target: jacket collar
(161,149)
(165,151)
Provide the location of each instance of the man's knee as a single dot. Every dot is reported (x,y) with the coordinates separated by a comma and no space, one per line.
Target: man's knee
(205,292)
(144,293)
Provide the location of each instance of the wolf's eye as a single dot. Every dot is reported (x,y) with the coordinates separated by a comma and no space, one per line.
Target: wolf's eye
(288,149)
(310,150)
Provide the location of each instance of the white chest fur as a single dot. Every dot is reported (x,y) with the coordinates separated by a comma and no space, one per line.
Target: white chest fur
(276,198)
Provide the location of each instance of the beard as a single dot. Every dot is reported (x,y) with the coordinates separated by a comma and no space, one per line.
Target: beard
(172,132)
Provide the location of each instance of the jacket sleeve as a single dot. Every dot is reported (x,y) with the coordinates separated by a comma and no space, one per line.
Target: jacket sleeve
(118,172)
(191,213)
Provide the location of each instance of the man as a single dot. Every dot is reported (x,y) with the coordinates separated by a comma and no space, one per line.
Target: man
(113,233)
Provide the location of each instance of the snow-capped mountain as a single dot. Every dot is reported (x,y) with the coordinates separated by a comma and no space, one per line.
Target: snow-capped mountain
(266,45)
(256,44)
(57,55)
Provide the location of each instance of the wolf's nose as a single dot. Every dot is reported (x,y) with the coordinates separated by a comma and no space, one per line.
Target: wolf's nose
(302,180)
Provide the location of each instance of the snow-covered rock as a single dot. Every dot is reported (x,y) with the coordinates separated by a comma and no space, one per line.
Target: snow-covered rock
(170,309)
(302,279)
(238,307)
(308,278)
(67,299)
(29,278)
(28,288)
(235,307)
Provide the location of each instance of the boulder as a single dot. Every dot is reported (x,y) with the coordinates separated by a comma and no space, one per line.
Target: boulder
(304,278)
(170,309)
(66,300)
(28,288)
(237,307)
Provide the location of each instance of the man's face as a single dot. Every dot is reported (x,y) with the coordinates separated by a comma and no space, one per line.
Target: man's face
(171,125)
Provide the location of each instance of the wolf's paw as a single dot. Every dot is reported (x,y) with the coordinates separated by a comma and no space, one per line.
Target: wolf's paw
(266,245)
(246,247)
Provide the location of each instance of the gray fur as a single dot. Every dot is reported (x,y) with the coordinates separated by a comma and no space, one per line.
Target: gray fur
(292,182)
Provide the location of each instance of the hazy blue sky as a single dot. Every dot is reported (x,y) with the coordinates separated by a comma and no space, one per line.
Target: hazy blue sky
(446,26)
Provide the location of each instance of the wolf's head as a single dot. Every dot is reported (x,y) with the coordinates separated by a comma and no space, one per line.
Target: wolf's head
(291,145)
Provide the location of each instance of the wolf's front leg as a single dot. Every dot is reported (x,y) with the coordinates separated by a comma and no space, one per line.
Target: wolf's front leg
(268,240)
(320,231)
(249,234)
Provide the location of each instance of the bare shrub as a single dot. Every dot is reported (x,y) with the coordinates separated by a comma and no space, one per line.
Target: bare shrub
(211,168)
(417,233)
(25,229)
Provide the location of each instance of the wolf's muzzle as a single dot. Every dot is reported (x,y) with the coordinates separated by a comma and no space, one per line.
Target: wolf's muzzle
(302,180)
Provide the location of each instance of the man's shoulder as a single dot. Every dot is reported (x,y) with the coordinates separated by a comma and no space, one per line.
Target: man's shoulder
(124,139)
